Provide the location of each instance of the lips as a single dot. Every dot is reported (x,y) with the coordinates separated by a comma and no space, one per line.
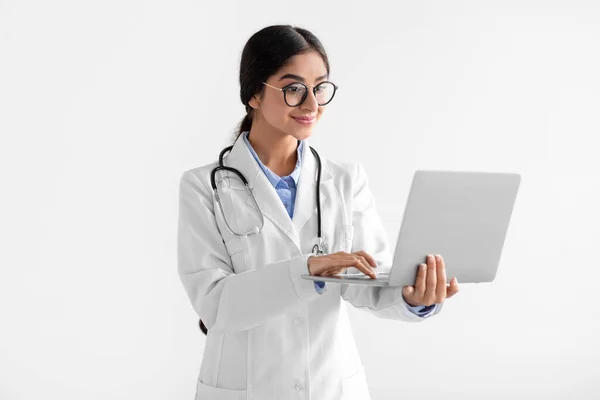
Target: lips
(304,118)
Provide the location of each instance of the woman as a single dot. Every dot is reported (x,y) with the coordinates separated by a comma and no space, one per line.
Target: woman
(271,333)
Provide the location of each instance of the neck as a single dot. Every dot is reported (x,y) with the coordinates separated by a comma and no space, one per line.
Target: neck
(276,151)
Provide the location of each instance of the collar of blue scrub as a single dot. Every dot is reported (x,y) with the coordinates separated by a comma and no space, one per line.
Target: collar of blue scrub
(272,176)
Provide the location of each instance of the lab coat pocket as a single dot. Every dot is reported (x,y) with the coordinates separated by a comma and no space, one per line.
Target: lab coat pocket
(235,248)
(206,392)
(355,386)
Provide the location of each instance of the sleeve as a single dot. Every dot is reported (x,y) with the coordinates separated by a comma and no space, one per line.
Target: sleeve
(421,311)
(320,287)
(370,236)
(224,300)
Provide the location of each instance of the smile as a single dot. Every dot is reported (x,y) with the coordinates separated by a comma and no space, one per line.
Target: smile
(305,121)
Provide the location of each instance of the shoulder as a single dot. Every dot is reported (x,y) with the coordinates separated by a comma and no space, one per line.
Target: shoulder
(198,177)
(345,171)
(348,177)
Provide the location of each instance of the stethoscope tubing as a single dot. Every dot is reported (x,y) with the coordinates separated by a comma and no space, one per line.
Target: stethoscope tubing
(317,248)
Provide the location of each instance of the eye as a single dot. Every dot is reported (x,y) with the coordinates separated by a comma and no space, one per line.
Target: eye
(296,88)
(323,86)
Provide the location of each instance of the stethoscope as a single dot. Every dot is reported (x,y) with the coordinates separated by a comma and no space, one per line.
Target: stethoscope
(318,249)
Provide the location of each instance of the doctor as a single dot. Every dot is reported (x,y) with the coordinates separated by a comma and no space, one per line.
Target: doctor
(271,333)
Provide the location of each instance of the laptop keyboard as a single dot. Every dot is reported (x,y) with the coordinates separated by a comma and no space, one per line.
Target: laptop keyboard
(361,275)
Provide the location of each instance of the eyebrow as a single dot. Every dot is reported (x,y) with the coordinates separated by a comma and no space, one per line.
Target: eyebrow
(299,78)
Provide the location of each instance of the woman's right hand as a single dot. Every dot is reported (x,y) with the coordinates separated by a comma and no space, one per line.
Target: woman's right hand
(336,263)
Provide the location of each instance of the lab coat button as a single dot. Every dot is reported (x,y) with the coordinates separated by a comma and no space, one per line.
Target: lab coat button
(296,321)
(299,387)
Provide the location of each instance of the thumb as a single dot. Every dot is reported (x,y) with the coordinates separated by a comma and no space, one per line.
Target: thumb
(453,288)
(407,291)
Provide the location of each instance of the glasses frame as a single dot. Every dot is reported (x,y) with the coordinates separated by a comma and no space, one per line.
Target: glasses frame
(314,88)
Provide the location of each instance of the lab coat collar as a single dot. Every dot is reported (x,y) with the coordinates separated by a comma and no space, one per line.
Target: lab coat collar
(269,202)
(273,178)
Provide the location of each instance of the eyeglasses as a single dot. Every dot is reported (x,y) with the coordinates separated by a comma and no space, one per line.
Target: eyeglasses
(295,93)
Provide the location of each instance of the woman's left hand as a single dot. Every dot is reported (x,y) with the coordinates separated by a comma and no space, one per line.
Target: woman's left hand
(430,285)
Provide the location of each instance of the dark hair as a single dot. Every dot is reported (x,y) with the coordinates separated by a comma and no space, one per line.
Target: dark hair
(265,53)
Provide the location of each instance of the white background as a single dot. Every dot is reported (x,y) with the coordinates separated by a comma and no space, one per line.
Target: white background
(104,104)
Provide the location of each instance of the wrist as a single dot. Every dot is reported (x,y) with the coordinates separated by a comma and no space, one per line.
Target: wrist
(308,263)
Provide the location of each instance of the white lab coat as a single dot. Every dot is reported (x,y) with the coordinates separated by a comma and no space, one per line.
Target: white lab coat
(271,335)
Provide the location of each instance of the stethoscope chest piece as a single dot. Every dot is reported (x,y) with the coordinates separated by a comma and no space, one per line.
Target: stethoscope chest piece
(320,248)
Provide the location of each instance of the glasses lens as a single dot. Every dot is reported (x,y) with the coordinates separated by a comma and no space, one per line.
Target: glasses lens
(324,92)
(294,94)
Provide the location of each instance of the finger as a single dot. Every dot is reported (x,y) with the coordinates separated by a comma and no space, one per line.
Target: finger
(361,264)
(420,282)
(369,258)
(453,288)
(362,259)
(431,281)
(408,291)
(364,262)
(440,289)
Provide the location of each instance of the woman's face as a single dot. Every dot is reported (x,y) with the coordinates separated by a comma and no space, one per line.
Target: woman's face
(272,112)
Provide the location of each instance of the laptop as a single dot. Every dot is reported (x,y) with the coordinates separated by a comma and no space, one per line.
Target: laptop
(461,215)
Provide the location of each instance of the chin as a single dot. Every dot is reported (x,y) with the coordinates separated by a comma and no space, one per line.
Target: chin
(302,134)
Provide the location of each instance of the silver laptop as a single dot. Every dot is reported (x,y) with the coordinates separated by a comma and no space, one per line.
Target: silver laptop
(461,215)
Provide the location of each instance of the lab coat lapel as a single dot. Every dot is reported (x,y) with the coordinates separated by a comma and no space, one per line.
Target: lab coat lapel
(266,197)
(306,192)
(264,193)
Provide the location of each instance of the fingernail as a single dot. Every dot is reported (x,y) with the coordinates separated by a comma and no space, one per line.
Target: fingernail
(429,257)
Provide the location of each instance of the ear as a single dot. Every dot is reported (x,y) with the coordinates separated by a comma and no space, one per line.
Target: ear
(254,102)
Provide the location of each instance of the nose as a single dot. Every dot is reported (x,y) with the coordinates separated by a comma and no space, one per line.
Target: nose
(310,103)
